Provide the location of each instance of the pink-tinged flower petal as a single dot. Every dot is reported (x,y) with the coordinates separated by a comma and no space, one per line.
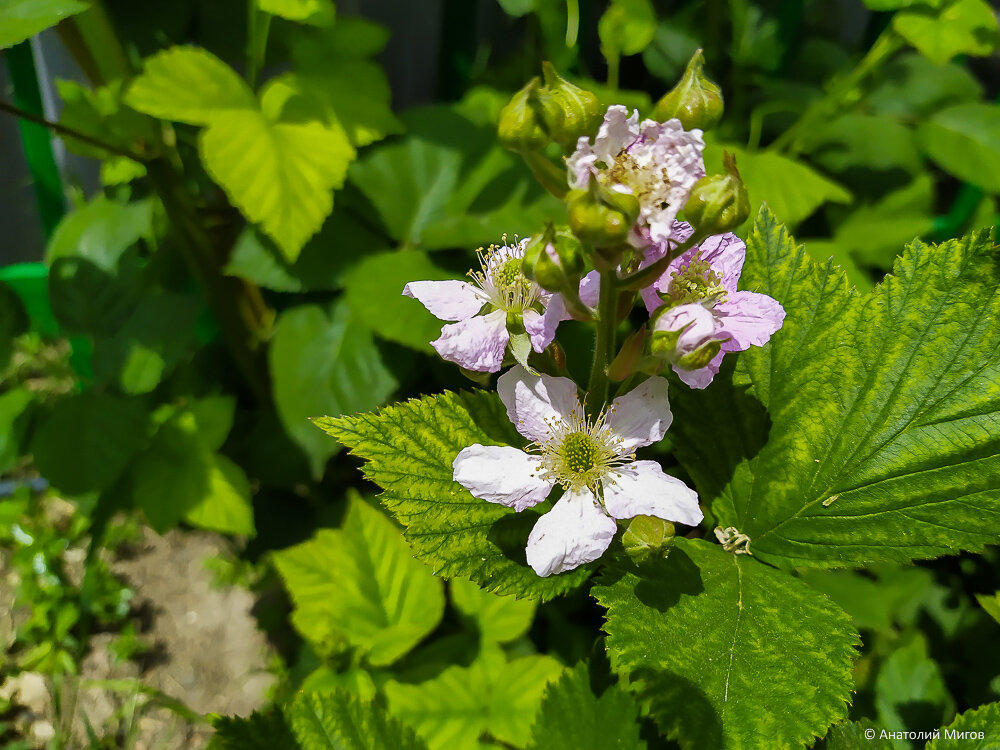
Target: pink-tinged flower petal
(642,416)
(447,300)
(574,532)
(749,319)
(726,254)
(697,325)
(641,488)
(532,401)
(703,376)
(501,474)
(476,344)
(541,327)
(590,289)
(618,131)
(580,165)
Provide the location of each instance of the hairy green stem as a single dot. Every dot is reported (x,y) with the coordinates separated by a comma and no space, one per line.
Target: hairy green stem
(792,141)
(604,344)
(646,276)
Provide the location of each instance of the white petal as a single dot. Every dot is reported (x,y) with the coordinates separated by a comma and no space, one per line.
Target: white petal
(447,300)
(574,532)
(541,327)
(501,474)
(641,488)
(532,401)
(590,289)
(702,377)
(476,344)
(749,319)
(642,416)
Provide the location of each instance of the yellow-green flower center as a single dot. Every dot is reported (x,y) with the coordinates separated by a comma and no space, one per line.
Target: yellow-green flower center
(580,453)
(509,273)
(697,282)
(502,279)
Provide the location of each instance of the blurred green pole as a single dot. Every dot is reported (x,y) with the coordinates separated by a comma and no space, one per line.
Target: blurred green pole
(37,142)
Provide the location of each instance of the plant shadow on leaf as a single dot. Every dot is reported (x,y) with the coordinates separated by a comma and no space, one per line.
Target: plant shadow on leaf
(676,566)
(509,534)
(699,725)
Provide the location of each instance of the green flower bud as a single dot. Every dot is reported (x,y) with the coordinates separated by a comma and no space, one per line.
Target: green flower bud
(629,356)
(718,203)
(520,128)
(648,536)
(701,356)
(601,217)
(569,111)
(696,101)
(554,260)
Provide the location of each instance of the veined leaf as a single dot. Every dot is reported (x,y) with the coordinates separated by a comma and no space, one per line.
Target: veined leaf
(360,581)
(884,409)
(850,735)
(324,364)
(20,19)
(188,84)
(964,140)
(573,718)
(498,619)
(963,733)
(409,449)
(262,730)
(340,721)
(491,695)
(728,652)
(963,27)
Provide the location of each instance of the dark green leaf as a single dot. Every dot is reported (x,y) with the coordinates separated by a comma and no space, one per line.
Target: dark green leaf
(573,718)
(851,736)
(87,440)
(910,692)
(324,364)
(262,730)
(728,652)
(964,732)
(13,404)
(963,140)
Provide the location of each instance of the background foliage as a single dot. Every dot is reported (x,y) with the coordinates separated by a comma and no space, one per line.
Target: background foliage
(264,197)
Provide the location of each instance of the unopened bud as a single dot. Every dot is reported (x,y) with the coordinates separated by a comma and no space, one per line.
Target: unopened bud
(569,111)
(647,536)
(554,260)
(629,356)
(520,128)
(601,217)
(696,101)
(685,336)
(718,202)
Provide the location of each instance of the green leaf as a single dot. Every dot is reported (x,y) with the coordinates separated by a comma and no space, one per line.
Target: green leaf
(13,404)
(792,189)
(840,256)
(298,159)
(356,681)
(341,243)
(374,294)
(876,233)
(728,652)
(214,417)
(864,599)
(155,337)
(340,721)
(188,84)
(324,364)
(850,735)
(883,410)
(20,19)
(867,141)
(984,721)
(102,231)
(179,477)
(910,692)
(448,184)
(963,140)
(492,695)
(573,718)
(314,12)
(499,619)
(991,604)
(361,582)
(262,730)
(962,27)
(409,449)
(626,27)
(87,440)
(88,300)
(101,113)
(912,86)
